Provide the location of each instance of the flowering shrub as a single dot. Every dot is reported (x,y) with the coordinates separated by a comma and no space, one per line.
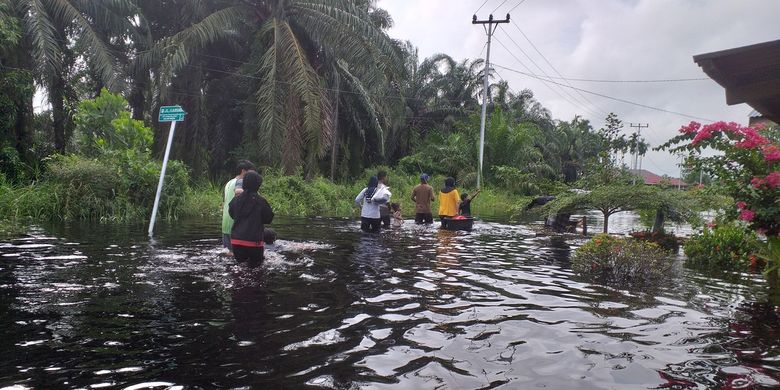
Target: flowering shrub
(749,168)
(749,171)
(667,242)
(616,260)
(726,247)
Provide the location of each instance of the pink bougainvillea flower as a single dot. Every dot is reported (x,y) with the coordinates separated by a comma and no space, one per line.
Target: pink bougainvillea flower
(702,135)
(773,179)
(757,182)
(747,215)
(741,205)
(771,153)
(690,128)
(751,139)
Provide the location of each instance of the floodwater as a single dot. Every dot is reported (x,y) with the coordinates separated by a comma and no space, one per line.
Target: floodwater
(100,306)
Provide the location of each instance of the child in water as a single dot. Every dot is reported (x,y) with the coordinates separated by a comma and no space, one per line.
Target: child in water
(397,219)
(464,208)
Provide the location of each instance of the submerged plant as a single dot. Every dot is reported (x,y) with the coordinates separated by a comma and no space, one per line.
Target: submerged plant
(622,261)
(727,247)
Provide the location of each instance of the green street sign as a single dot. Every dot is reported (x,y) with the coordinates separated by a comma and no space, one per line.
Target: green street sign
(171,114)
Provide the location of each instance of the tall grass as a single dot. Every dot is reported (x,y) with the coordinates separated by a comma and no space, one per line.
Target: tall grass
(81,189)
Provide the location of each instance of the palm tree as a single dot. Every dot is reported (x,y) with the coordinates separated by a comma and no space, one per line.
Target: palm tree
(56,33)
(295,52)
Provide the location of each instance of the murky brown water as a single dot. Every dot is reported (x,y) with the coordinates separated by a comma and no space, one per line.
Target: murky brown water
(90,306)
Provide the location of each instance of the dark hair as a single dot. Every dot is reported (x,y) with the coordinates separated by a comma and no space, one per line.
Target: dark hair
(252,182)
(373,182)
(395,206)
(381,175)
(244,165)
(463,196)
(449,182)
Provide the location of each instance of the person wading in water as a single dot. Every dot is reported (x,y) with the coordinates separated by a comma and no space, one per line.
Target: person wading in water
(369,199)
(422,196)
(250,213)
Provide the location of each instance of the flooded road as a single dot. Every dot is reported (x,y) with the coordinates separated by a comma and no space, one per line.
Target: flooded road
(100,306)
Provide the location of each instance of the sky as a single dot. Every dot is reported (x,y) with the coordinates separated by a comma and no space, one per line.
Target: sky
(601,40)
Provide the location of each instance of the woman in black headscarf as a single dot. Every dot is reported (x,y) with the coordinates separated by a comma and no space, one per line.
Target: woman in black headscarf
(369,201)
(250,212)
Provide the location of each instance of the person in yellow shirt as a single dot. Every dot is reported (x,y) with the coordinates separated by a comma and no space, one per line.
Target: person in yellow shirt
(449,199)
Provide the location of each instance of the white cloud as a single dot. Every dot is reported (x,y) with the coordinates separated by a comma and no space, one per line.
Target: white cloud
(605,39)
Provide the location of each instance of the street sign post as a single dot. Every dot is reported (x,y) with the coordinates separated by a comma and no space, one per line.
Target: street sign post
(171,114)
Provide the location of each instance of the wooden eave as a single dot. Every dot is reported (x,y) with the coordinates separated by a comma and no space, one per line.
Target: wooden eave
(750,74)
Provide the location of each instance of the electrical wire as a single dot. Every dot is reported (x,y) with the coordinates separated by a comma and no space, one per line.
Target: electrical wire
(584,102)
(480,7)
(499,6)
(554,68)
(513,8)
(611,97)
(545,82)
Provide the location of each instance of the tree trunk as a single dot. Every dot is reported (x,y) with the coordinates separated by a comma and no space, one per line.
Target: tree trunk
(334,150)
(136,99)
(658,225)
(606,221)
(57,100)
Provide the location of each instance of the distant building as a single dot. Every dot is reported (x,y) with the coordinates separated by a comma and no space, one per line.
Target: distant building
(652,179)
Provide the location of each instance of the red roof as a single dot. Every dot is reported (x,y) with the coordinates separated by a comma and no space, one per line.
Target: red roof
(654,180)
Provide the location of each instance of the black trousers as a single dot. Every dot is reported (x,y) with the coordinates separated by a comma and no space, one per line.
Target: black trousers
(251,255)
(426,218)
(385,221)
(370,225)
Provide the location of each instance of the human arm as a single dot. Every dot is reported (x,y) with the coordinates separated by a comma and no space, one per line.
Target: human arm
(231,208)
(266,211)
(359,198)
(382,195)
(475,195)
(414,194)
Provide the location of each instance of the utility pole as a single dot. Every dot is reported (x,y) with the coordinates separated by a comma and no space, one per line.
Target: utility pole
(639,128)
(490,27)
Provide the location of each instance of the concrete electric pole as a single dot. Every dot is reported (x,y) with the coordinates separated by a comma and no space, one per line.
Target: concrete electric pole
(639,128)
(490,27)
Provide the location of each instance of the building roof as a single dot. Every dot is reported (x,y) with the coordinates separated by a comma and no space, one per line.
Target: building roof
(652,179)
(750,74)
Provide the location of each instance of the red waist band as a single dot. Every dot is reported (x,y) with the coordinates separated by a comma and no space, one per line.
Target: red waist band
(250,244)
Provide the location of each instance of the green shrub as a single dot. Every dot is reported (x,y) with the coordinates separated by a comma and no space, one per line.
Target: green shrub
(621,261)
(668,242)
(727,247)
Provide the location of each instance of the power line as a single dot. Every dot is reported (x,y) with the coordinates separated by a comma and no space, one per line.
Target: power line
(632,81)
(513,8)
(553,67)
(610,97)
(544,81)
(667,80)
(583,103)
(499,6)
(480,7)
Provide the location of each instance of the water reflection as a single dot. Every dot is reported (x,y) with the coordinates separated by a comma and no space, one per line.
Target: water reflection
(413,307)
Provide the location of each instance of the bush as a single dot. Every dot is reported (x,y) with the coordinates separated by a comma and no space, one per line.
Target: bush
(615,260)
(668,242)
(727,247)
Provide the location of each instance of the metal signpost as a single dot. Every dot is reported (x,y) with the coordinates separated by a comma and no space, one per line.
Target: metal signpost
(171,114)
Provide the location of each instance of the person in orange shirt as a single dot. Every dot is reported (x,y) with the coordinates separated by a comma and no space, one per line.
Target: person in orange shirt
(449,199)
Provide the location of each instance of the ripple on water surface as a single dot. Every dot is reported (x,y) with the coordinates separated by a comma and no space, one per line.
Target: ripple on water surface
(104,307)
